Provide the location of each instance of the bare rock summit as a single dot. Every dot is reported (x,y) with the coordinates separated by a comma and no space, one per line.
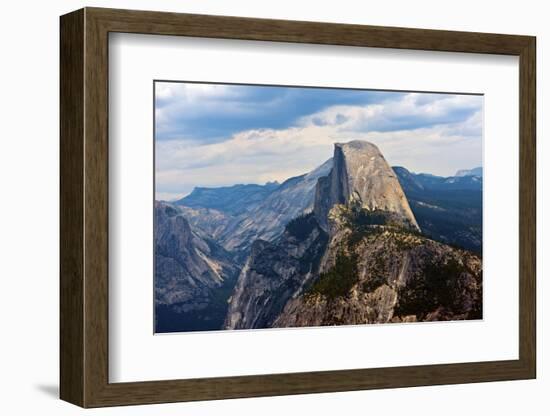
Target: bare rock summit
(360,175)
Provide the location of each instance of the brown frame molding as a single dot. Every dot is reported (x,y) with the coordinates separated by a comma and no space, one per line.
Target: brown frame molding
(84,207)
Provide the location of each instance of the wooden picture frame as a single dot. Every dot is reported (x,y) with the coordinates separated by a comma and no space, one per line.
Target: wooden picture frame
(84,207)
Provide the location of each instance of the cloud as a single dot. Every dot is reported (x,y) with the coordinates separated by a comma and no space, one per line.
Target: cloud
(211,112)
(424,132)
(412,111)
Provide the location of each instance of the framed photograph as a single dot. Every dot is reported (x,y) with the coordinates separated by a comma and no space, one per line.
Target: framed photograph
(255,207)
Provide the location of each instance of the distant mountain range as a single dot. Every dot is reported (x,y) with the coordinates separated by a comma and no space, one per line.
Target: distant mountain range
(470,172)
(448,209)
(423,181)
(236,199)
(236,216)
(256,256)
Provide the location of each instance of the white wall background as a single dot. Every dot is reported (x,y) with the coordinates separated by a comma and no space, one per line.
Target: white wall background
(29,160)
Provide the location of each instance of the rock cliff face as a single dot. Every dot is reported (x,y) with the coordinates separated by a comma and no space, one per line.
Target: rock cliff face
(268,219)
(190,272)
(358,258)
(275,273)
(360,174)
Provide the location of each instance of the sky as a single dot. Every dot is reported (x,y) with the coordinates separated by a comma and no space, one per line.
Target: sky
(213,135)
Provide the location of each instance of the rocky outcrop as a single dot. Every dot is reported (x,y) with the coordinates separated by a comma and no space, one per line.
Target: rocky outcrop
(275,273)
(381,274)
(360,174)
(189,271)
(207,222)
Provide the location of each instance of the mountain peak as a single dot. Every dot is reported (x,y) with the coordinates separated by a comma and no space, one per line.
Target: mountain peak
(357,145)
(360,174)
